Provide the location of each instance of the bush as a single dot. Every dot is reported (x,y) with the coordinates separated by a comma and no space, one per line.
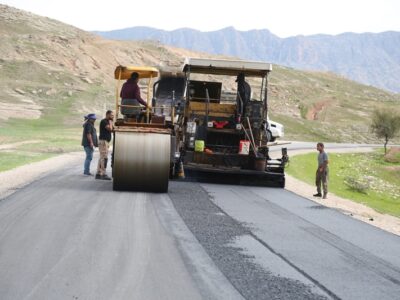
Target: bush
(303,111)
(357,185)
(393,155)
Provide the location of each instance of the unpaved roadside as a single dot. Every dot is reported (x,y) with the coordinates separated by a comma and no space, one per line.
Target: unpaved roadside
(348,207)
(14,179)
(16,145)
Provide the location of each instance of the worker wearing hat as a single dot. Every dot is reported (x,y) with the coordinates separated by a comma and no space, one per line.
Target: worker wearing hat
(243,94)
(89,141)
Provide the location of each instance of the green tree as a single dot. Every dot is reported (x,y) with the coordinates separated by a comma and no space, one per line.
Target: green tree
(385,124)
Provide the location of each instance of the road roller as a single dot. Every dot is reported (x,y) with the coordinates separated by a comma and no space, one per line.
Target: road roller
(142,147)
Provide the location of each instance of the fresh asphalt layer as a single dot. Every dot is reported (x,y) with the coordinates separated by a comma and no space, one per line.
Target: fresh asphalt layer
(346,258)
(67,236)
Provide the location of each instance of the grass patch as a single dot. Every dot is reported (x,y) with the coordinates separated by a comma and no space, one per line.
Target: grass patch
(57,131)
(59,128)
(50,127)
(11,160)
(361,177)
(304,130)
(346,113)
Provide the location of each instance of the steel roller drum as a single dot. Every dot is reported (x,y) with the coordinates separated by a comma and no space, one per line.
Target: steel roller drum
(141,161)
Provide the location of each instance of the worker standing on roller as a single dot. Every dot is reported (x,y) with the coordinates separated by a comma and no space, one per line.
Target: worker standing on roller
(106,128)
(130,95)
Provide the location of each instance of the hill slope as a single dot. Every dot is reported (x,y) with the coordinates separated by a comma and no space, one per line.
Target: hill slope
(368,58)
(52,73)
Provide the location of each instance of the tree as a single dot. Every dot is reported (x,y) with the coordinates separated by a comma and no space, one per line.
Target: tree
(385,124)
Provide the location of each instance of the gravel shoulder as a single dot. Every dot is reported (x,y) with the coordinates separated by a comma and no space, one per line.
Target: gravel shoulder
(17,178)
(346,206)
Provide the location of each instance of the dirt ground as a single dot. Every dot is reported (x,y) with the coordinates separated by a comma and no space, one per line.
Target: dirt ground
(318,107)
(392,154)
(12,180)
(15,145)
(26,109)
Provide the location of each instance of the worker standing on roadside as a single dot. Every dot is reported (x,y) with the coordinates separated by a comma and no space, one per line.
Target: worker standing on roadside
(106,128)
(322,174)
(89,141)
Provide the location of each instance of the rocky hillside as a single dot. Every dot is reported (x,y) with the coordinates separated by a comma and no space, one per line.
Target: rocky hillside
(52,73)
(368,58)
(42,60)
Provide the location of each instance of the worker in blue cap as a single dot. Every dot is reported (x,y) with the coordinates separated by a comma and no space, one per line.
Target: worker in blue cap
(89,141)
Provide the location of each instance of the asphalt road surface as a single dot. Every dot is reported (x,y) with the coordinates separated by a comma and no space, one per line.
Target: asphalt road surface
(67,236)
(292,146)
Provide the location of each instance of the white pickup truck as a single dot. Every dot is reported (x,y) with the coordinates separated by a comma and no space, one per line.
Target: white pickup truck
(275,130)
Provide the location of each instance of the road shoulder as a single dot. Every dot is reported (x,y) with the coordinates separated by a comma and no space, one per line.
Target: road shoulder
(14,179)
(346,206)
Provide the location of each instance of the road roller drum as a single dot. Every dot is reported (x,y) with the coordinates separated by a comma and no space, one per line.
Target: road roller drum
(141,161)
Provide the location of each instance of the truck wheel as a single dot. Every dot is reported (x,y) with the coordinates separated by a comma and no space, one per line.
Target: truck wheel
(282,183)
(269,136)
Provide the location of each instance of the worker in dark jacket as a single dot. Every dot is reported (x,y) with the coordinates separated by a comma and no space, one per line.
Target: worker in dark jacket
(106,128)
(89,141)
(243,92)
(130,95)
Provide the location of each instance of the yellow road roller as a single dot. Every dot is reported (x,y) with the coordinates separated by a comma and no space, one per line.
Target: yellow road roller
(141,158)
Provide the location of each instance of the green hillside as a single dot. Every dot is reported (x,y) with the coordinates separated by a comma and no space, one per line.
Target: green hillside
(324,106)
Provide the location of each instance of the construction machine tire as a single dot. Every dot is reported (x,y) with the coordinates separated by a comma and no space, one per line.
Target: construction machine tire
(141,162)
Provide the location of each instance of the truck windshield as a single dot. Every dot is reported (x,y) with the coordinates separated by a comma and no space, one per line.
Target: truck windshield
(169,84)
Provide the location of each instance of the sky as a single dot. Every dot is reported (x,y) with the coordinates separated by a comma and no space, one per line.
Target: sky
(282,17)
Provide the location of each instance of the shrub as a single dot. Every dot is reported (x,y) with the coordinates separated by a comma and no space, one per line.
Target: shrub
(393,155)
(357,185)
(303,111)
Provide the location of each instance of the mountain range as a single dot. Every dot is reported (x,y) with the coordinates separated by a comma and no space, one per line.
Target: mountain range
(51,74)
(369,58)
